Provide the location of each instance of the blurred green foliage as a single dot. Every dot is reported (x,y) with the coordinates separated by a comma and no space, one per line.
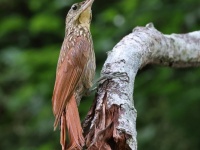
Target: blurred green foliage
(31,34)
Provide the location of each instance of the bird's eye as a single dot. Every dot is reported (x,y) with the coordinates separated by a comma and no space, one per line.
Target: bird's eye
(74,7)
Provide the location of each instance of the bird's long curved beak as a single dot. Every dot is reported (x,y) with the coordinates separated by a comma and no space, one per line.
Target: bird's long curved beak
(87,3)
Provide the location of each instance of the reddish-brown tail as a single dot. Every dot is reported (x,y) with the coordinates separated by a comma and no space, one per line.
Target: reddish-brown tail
(71,120)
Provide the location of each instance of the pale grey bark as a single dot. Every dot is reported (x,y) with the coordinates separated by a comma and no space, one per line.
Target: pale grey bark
(143,46)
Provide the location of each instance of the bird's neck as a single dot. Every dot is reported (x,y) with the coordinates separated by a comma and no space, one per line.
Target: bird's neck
(78,29)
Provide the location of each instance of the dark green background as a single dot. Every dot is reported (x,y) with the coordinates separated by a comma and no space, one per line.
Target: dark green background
(31,34)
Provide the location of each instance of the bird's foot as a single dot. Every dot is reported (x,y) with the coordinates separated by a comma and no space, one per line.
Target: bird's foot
(120,75)
(105,77)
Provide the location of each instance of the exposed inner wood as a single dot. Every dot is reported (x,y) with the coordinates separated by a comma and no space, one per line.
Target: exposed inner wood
(104,134)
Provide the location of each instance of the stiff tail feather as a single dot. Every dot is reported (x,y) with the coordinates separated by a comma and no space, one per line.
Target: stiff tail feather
(63,131)
(73,124)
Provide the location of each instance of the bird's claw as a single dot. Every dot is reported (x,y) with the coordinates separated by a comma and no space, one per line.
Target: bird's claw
(120,75)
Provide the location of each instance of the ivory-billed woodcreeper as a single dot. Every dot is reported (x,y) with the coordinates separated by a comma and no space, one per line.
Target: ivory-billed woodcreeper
(74,75)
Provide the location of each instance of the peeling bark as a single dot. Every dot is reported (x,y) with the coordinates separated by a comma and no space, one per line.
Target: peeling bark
(111,121)
(104,134)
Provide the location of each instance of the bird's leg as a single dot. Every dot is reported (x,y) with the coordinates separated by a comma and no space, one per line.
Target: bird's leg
(105,77)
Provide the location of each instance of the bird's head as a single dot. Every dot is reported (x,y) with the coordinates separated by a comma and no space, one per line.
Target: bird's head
(80,13)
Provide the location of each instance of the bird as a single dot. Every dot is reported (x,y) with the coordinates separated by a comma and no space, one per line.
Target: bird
(74,74)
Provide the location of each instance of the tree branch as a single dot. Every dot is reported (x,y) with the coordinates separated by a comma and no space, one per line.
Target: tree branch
(111,122)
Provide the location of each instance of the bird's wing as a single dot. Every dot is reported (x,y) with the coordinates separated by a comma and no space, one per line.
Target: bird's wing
(71,64)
